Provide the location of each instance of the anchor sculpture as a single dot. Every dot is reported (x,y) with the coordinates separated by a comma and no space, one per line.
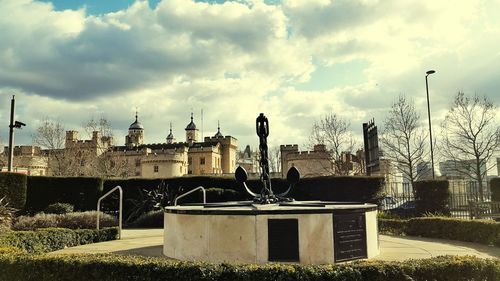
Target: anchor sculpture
(266,195)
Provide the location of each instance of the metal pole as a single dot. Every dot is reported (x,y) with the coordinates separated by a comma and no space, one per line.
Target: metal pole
(429,114)
(11,134)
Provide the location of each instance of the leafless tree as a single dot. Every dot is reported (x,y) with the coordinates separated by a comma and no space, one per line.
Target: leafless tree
(471,136)
(102,162)
(404,139)
(50,136)
(333,132)
(274,159)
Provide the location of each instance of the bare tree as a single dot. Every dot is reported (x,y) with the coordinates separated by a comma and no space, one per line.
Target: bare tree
(101,161)
(50,135)
(333,132)
(404,139)
(471,136)
(274,159)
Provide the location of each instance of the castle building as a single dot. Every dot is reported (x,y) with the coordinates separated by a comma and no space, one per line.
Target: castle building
(214,156)
(319,162)
(27,159)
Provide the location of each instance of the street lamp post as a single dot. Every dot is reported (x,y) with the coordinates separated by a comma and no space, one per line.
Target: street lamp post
(429,113)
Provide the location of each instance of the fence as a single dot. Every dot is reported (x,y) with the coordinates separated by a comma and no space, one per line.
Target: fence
(400,200)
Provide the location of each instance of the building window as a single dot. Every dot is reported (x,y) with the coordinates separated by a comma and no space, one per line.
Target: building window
(82,163)
(155,168)
(202,160)
(190,160)
(137,162)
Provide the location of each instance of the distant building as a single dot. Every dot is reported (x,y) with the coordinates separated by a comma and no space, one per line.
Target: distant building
(213,156)
(249,160)
(464,169)
(318,162)
(27,159)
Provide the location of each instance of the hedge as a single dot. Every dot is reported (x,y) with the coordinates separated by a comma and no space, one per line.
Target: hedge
(495,189)
(81,192)
(478,231)
(331,188)
(13,187)
(53,239)
(219,189)
(431,197)
(119,267)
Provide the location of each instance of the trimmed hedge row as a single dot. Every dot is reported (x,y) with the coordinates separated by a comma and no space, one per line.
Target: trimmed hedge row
(118,267)
(431,197)
(13,187)
(81,192)
(495,189)
(478,231)
(52,239)
(331,188)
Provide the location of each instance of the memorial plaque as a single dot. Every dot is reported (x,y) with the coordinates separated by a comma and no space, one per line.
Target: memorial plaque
(349,232)
(283,240)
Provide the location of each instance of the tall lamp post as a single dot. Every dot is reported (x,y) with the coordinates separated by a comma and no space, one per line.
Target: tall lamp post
(13,125)
(429,113)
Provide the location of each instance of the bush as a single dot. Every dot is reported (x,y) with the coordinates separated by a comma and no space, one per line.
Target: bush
(6,215)
(220,189)
(13,188)
(392,226)
(59,208)
(495,189)
(153,219)
(478,231)
(119,267)
(77,220)
(81,192)
(431,197)
(9,250)
(52,239)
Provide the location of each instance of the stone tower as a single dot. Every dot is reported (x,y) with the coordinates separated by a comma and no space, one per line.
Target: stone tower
(135,135)
(170,137)
(191,132)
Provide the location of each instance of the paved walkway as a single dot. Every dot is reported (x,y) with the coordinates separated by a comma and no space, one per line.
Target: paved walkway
(149,242)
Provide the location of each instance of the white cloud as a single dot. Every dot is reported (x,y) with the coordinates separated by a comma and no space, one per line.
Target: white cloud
(241,58)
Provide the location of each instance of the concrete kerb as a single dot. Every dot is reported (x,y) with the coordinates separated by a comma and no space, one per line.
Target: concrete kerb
(149,242)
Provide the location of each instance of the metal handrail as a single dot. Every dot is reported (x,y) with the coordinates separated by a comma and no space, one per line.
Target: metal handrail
(191,191)
(120,211)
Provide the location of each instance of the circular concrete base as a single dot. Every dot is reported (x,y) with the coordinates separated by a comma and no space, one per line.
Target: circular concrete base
(303,232)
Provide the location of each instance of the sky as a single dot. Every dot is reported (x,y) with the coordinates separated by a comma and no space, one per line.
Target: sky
(293,60)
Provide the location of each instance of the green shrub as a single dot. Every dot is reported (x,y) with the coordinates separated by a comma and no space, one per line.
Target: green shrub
(59,208)
(478,231)
(77,220)
(432,197)
(10,250)
(119,267)
(347,189)
(81,192)
(13,188)
(52,239)
(495,189)
(6,215)
(153,219)
(392,226)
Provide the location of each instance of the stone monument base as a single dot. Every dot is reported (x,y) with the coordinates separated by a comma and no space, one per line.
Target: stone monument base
(303,232)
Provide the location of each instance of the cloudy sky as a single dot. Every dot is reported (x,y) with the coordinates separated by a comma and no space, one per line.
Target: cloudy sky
(294,60)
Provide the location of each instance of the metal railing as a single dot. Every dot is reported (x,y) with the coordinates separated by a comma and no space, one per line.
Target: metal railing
(120,210)
(191,191)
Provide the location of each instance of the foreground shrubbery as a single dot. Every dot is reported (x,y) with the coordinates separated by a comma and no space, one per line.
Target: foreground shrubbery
(77,220)
(117,267)
(153,219)
(479,231)
(59,208)
(52,239)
